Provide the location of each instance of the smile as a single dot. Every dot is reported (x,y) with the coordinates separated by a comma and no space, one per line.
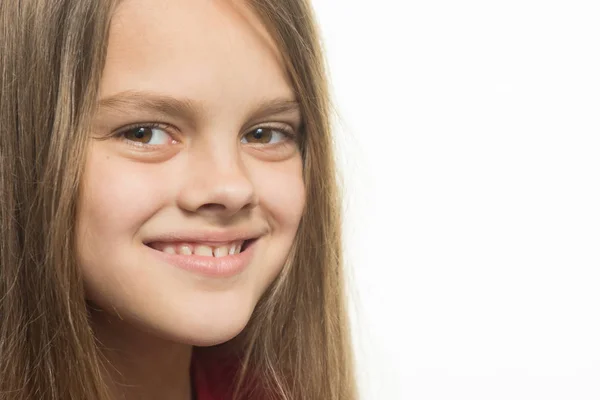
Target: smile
(222,260)
(202,249)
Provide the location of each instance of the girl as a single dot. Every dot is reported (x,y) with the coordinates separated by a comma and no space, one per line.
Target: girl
(170,221)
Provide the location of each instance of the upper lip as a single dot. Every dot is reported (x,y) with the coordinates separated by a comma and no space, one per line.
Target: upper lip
(212,238)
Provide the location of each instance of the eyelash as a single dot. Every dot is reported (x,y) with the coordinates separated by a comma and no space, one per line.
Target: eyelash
(287,131)
(120,133)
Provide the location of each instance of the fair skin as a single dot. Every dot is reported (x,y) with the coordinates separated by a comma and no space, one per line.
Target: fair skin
(205,175)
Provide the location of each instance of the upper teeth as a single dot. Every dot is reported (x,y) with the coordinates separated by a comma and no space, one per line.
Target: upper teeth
(188,249)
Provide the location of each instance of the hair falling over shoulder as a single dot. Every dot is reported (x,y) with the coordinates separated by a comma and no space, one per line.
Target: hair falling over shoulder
(52,53)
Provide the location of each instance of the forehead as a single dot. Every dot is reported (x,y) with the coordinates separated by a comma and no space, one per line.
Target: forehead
(213,51)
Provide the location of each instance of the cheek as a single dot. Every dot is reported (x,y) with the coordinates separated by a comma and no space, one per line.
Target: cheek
(117,195)
(116,198)
(281,193)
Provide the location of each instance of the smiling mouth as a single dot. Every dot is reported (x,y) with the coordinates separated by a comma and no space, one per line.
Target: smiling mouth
(202,249)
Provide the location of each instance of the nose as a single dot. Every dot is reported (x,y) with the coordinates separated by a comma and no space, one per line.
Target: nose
(217,184)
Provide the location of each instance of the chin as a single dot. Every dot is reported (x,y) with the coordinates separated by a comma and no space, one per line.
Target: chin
(219,333)
(216,337)
(210,327)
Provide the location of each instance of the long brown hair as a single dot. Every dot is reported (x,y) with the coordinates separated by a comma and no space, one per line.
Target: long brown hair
(297,344)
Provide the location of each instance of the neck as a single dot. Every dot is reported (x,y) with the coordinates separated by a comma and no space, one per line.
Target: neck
(141,365)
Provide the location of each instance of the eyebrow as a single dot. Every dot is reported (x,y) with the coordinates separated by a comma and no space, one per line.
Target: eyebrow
(186,108)
(149,101)
(275,107)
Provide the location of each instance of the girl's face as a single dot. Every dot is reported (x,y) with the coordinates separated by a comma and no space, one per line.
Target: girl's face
(194,155)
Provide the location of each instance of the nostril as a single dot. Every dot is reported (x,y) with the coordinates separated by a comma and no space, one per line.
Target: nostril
(214,206)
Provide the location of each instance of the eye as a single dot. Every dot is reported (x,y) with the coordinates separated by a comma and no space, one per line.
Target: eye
(147,135)
(266,136)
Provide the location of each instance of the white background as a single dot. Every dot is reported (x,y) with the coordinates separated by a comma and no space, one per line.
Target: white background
(469,136)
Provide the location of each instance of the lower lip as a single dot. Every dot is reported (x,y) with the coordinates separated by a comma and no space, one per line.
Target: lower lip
(214,267)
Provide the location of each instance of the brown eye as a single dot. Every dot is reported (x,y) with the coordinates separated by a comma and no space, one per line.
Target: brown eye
(264,136)
(147,135)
